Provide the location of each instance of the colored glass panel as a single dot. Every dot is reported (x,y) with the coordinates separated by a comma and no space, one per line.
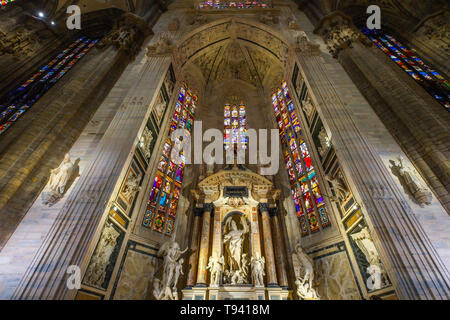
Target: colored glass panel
(305,190)
(160,214)
(426,76)
(235,127)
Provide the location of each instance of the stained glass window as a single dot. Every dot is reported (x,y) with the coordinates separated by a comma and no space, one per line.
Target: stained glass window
(19,100)
(5,2)
(227,4)
(430,79)
(162,204)
(235,126)
(308,199)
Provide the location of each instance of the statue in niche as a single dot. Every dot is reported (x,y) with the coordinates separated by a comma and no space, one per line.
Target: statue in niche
(325,142)
(308,107)
(237,262)
(215,267)
(365,243)
(131,186)
(303,265)
(258,271)
(57,183)
(166,289)
(96,272)
(410,182)
(146,143)
(339,187)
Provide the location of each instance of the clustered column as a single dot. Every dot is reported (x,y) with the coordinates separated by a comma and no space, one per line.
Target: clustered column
(208,211)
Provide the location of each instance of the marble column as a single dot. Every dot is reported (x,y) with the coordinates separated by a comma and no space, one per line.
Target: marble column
(76,227)
(193,258)
(414,267)
(271,273)
(278,248)
(208,211)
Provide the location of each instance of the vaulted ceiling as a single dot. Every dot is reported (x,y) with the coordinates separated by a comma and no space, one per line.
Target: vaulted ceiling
(234,60)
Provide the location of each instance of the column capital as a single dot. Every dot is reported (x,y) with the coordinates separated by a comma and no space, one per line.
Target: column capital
(128,34)
(263,207)
(208,207)
(198,212)
(338,32)
(273,211)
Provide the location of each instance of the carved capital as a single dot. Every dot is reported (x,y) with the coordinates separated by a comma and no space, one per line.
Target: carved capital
(338,32)
(198,212)
(208,207)
(128,34)
(263,207)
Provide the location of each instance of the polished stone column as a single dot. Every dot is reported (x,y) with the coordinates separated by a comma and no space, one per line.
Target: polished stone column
(76,227)
(204,244)
(412,263)
(193,258)
(269,255)
(278,248)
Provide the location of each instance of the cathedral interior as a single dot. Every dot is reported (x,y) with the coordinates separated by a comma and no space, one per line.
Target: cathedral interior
(224,150)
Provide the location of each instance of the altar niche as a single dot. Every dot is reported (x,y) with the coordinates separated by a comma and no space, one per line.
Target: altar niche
(232,243)
(236,248)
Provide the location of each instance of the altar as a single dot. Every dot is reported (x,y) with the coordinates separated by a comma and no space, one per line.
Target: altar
(234,239)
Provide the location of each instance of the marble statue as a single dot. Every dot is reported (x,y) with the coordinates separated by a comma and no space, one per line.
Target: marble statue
(146,143)
(166,289)
(238,276)
(324,141)
(233,241)
(215,267)
(410,182)
(308,106)
(339,187)
(131,186)
(57,183)
(365,243)
(258,270)
(96,272)
(303,265)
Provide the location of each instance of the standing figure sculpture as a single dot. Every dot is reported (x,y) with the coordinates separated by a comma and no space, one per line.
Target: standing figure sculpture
(303,265)
(258,271)
(215,267)
(364,242)
(410,182)
(165,289)
(339,187)
(57,183)
(233,241)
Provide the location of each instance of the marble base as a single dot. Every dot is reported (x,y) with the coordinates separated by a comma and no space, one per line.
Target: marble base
(235,293)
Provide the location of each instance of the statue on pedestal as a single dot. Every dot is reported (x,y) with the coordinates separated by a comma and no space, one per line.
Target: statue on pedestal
(166,289)
(303,265)
(410,182)
(339,187)
(57,183)
(237,262)
(215,266)
(258,271)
